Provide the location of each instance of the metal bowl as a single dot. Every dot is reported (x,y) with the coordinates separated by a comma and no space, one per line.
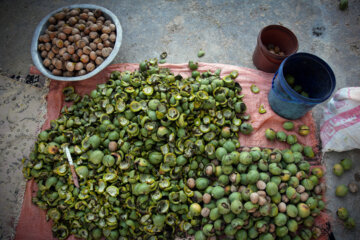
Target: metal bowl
(40,29)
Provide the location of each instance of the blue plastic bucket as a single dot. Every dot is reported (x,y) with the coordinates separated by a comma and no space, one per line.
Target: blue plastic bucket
(312,73)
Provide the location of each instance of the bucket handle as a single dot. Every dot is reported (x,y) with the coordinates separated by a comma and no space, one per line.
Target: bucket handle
(283,99)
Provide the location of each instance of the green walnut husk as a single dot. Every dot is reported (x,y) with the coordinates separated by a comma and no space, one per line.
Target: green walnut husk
(342,213)
(281,136)
(343,5)
(270,134)
(262,109)
(201,53)
(338,169)
(304,130)
(254,88)
(291,139)
(318,172)
(346,163)
(308,152)
(341,190)
(350,223)
(305,94)
(288,125)
(135,141)
(290,79)
(156,157)
(297,88)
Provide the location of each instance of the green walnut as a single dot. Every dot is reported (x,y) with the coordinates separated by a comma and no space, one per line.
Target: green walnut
(255,154)
(346,164)
(312,203)
(318,172)
(290,79)
(341,190)
(218,192)
(288,125)
(291,193)
(201,183)
(291,139)
(350,223)
(288,157)
(82,171)
(236,206)
(292,225)
(285,175)
(108,160)
(294,181)
(306,234)
(208,229)
(309,221)
(297,147)
(246,128)
(305,94)
(297,88)
(271,188)
(303,210)
(342,213)
(274,169)
(308,152)
(308,184)
(96,157)
(199,235)
(235,196)
(270,134)
(195,209)
(155,158)
(229,146)
(281,136)
(292,211)
(192,65)
(43,136)
(250,207)
(281,231)
(237,223)
(343,5)
(94,141)
(220,153)
(280,219)
(224,206)
(304,130)
(338,169)
(245,158)
(214,214)
(229,230)
(253,176)
(304,165)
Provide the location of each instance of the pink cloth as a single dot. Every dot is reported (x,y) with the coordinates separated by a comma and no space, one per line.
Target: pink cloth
(32,223)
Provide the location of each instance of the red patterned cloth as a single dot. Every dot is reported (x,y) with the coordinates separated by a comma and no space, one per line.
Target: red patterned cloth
(32,223)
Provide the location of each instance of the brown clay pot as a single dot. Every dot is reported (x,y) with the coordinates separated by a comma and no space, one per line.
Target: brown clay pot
(277,35)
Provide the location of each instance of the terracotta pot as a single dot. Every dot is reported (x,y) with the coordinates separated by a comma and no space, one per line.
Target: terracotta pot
(277,35)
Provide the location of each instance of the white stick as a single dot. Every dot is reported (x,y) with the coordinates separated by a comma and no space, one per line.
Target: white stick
(72,169)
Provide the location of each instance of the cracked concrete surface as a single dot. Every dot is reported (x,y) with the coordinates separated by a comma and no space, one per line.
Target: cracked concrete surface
(227,31)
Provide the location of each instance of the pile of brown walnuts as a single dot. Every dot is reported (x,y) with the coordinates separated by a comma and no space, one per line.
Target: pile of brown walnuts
(76,41)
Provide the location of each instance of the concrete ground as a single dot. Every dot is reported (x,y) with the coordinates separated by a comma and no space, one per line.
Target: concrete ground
(227,31)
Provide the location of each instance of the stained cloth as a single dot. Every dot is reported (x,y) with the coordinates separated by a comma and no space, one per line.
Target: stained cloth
(32,223)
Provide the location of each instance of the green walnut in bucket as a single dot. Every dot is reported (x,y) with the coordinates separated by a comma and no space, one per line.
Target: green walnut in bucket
(311,73)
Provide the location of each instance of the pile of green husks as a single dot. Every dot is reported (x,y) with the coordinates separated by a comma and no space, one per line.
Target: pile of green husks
(156,158)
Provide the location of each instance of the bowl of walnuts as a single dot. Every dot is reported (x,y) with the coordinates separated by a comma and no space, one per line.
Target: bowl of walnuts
(76,42)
